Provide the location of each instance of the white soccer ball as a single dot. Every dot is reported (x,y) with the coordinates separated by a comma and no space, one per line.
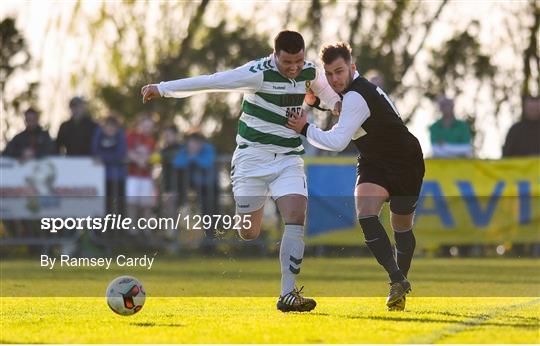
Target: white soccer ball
(125,295)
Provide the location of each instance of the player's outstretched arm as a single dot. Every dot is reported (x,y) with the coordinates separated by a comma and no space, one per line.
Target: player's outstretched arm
(242,79)
(149,92)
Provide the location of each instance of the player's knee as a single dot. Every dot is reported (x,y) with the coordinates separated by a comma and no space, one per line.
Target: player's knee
(367,209)
(365,212)
(297,217)
(402,226)
(402,223)
(248,234)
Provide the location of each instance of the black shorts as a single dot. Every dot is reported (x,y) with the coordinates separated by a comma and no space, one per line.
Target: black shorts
(402,181)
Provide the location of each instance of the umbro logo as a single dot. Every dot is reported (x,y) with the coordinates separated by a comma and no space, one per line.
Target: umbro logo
(243,205)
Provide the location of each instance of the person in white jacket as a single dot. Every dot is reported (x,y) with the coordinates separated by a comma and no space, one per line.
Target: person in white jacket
(267,160)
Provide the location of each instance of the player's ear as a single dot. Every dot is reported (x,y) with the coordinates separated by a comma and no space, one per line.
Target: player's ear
(353,68)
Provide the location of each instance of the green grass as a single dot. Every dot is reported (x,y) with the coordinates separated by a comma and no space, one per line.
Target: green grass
(241,277)
(233,301)
(254,320)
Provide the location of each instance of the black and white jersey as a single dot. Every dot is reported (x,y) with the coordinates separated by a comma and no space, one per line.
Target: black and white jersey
(370,119)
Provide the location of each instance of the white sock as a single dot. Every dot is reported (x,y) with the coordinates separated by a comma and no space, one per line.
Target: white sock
(291,253)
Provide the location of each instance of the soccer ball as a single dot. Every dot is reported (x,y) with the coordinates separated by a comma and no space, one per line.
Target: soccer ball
(125,295)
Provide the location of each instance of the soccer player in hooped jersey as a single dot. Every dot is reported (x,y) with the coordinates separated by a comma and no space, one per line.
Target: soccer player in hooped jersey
(390,164)
(267,159)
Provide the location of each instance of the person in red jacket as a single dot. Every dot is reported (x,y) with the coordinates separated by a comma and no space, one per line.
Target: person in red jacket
(140,190)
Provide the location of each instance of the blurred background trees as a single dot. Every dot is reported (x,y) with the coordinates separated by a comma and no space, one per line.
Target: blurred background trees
(14,58)
(124,45)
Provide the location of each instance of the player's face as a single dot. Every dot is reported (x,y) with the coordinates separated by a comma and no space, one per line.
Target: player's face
(290,65)
(339,74)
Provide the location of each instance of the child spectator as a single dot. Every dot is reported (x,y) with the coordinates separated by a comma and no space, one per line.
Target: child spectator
(109,144)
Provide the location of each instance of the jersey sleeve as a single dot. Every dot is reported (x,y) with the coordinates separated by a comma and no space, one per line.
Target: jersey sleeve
(241,79)
(353,114)
(323,90)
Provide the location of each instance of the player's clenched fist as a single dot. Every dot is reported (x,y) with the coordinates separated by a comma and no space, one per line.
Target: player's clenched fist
(149,92)
(297,121)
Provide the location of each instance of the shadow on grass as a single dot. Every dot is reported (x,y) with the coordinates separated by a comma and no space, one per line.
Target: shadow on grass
(472,320)
(4,342)
(318,314)
(152,324)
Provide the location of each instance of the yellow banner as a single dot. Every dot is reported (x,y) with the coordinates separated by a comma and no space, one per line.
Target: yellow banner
(462,202)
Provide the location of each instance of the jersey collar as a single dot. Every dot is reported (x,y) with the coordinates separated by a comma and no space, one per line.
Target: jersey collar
(355,76)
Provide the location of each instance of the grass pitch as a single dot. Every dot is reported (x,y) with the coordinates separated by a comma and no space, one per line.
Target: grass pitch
(453,301)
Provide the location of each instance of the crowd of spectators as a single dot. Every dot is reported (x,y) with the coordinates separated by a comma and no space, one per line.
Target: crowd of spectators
(153,169)
(141,161)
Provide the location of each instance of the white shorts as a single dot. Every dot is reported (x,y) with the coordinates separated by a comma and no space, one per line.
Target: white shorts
(140,191)
(257,174)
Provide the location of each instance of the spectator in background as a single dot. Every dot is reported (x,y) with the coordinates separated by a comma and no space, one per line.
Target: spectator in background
(375,77)
(169,182)
(75,135)
(109,144)
(523,138)
(171,148)
(140,190)
(196,164)
(33,142)
(450,137)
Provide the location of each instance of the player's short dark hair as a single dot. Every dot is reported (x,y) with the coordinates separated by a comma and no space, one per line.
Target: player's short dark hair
(289,41)
(330,52)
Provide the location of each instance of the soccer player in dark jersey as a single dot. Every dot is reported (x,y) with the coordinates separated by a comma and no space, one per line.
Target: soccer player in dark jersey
(390,163)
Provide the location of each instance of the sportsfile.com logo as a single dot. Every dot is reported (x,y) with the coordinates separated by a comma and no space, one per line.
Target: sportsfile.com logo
(117,222)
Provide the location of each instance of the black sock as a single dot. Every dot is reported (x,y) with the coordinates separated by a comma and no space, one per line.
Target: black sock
(378,243)
(405,244)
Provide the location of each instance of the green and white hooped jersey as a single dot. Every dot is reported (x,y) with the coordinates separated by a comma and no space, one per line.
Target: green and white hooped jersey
(269,97)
